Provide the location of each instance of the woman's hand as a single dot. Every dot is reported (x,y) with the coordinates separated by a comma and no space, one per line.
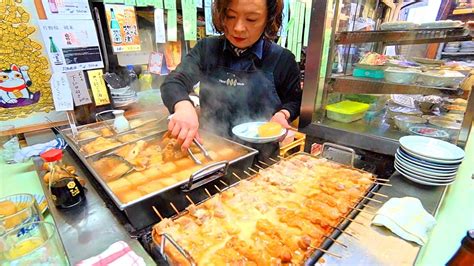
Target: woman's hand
(280,117)
(184,124)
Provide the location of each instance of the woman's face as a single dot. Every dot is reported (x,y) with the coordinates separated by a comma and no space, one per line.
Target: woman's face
(245,22)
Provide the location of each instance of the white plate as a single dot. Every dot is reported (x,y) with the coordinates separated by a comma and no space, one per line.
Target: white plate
(419,181)
(428,177)
(422,169)
(422,178)
(434,149)
(249,132)
(427,164)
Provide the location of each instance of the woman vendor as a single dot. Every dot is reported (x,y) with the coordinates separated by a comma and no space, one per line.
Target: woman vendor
(242,75)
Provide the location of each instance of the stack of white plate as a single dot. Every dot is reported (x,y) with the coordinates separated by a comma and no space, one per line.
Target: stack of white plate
(428,161)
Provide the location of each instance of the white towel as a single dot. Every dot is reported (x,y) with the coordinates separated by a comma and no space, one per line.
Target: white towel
(35,150)
(406,218)
(117,254)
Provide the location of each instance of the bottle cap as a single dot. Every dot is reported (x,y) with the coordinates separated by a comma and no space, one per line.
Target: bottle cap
(52,155)
(129,67)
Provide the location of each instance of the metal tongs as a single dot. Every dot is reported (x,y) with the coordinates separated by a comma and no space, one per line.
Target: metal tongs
(199,145)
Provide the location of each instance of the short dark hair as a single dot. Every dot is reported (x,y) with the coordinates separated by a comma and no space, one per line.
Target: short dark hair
(274,16)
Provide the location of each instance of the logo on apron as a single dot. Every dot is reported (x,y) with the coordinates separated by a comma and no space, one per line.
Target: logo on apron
(231,82)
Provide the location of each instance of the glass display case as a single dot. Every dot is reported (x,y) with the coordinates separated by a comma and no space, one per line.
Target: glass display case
(383,77)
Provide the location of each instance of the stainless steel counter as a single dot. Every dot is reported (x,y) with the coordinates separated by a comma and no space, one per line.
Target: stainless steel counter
(90,228)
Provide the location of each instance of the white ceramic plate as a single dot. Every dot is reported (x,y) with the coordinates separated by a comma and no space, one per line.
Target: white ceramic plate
(249,133)
(422,178)
(433,149)
(419,181)
(426,164)
(422,169)
(426,176)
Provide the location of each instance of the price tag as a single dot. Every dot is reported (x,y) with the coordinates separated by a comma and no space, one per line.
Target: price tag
(160,33)
(78,85)
(61,92)
(155,63)
(99,91)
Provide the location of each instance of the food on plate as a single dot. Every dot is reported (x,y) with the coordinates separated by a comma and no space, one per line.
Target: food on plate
(99,144)
(87,135)
(111,168)
(276,218)
(106,132)
(269,129)
(7,208)
(373,59)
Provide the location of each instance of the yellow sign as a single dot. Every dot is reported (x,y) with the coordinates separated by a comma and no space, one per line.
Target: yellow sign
(123,28)
(99,91)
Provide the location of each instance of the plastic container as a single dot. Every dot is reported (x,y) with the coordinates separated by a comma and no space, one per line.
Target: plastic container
(368,73)
(346,111)
(401,75)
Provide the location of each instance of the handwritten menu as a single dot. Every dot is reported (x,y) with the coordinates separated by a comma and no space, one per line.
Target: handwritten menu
(99,91)
(61,92)
(189,19)
(170,4)
(129,2)
(123,28)
(157,3)
(172,29)
(66,9)
(77,83)
(155,63)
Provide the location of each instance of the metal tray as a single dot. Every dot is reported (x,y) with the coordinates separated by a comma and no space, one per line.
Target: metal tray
(314,257)
(140,211)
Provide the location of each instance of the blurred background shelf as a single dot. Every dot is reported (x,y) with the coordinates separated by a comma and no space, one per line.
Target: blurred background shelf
(350,84)
(416,36)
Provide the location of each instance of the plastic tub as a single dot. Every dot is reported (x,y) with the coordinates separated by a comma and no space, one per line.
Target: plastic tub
(346,111)
(368,73)
(401,75)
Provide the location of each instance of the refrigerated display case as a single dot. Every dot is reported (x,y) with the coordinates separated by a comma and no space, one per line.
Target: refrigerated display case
(376,57)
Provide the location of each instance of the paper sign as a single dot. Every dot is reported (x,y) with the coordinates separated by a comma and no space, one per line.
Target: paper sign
(155,63)
(67,9)
(129,2)
(172,54)
(160,34)
(78,86)
(141,3)
(123,29)
(99,91)
(61,92)
(157,3)
(113,1)
(198,3)
(210,30)
(189,20)
(299,42)
(170,4)
(71,45)
(172,25)
(285,18)
(207,3)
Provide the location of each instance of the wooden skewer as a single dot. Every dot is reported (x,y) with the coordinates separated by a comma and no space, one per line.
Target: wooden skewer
(259,167)
(174,208)
(383,184)
(238,177)
(371,199)
(157,212)
(382,179)
(336,241)
(344,232)
(253,170)
(327,252)
(190,200)
(367,206)
(207,191)
(354,221)
(218,189)
(361,210)
(264,163)
(281,158)
(273,160)
(247,173)
(225,184)
(380,194)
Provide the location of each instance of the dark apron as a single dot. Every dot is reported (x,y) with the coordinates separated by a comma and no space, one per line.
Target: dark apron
(229,98)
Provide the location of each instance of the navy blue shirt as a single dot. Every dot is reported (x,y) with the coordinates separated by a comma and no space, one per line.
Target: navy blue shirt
(179,83)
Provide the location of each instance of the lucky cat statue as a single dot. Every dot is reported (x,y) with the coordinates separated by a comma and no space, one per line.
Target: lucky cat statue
(14,91)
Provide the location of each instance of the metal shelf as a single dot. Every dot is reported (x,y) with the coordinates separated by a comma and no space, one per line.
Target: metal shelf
(350,84)
(416,36)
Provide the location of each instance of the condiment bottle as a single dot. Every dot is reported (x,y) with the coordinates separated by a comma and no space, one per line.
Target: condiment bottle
(64,188)
(465,253)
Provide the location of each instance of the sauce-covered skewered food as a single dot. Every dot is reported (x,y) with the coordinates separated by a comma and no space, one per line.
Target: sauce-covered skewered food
(278,217)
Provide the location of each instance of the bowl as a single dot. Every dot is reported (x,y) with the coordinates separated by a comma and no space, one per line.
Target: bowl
(404,122)
(442,78)
(401,75)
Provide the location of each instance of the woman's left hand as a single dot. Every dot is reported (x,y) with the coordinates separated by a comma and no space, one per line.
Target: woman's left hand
(280,118)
